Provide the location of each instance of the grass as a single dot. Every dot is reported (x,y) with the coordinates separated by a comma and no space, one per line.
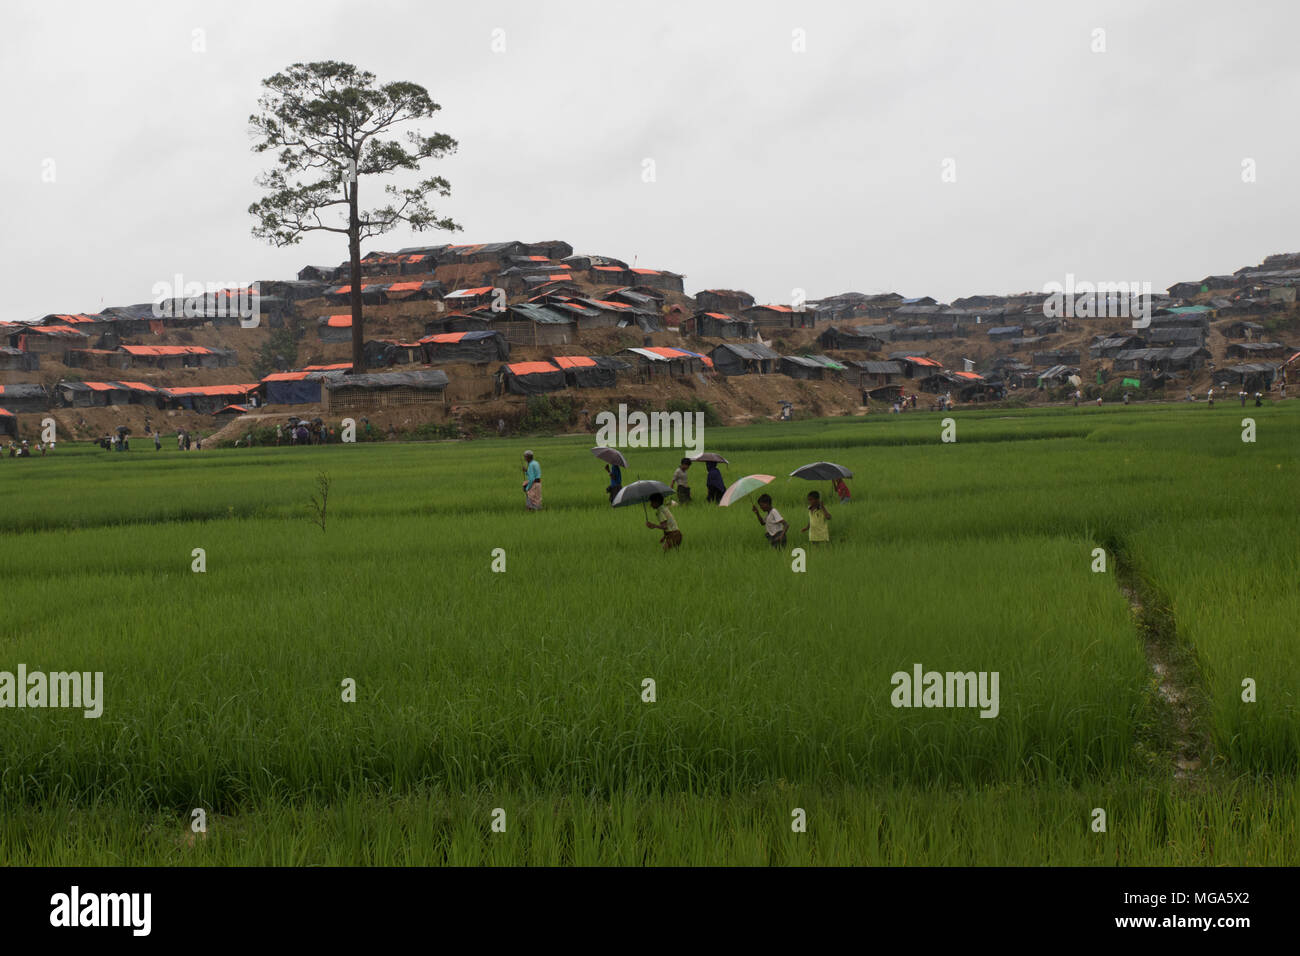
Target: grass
(522,689)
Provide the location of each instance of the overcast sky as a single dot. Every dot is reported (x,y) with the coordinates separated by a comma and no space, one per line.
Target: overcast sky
(793,145)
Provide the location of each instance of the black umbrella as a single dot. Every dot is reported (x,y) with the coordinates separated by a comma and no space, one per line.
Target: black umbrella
(640,491)
(610,455)
(711,456)
(821,471)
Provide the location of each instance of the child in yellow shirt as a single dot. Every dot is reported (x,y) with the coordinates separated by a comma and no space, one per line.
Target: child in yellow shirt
(817,527)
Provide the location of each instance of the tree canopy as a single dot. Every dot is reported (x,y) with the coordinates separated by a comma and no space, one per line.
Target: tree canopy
(329,125)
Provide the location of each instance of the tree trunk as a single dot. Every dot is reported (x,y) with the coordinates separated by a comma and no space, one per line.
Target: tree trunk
(354,254)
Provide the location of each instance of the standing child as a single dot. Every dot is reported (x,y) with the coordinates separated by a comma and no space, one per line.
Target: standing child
(680,484)
(818,516)
(667,524)
(774,526)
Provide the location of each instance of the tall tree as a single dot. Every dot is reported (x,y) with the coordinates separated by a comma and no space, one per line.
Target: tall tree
(328,123)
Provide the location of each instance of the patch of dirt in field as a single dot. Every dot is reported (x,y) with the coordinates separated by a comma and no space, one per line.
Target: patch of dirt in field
(1187,743)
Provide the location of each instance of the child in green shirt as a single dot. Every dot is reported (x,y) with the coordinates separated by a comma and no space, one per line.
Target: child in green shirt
(667,524)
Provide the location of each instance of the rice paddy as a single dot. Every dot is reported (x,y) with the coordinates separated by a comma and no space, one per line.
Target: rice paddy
(524,689)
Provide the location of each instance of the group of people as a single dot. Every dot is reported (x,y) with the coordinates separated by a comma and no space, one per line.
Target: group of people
(121,441)
(772,521)
(302,432)
(23,449)
(774,524)
(714,484)
(1242,395)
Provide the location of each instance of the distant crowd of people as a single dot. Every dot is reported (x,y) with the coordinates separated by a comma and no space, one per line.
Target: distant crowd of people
(23,449)
(302,432)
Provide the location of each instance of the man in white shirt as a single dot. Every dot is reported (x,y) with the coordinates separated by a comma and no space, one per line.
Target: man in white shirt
(774,526)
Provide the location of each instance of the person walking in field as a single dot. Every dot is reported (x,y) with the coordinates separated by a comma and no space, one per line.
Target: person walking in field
(615,482)
(1209,396)
(714,483)
(842,489)
(533,486)
(667,524)
(157,440)
(817,527)
(680,484)
(774,526)
(1242,395)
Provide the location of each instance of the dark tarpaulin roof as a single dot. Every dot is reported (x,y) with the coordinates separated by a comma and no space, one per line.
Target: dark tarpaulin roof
(540,314)
(22,390)
(1175,353)
(751,351)
(879,368)
(431,379)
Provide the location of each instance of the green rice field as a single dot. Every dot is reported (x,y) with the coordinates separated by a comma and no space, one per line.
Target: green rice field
(500,716)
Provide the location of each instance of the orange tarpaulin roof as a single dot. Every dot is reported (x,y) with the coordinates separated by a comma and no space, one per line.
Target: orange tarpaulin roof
(405,286)
(212,389)
(285,377)
(144,387)
(339,321)
(5,411)
(326,368)
(166,350)
(574,361)
(483,290)
(970,375)
(529,368)
(924,361)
